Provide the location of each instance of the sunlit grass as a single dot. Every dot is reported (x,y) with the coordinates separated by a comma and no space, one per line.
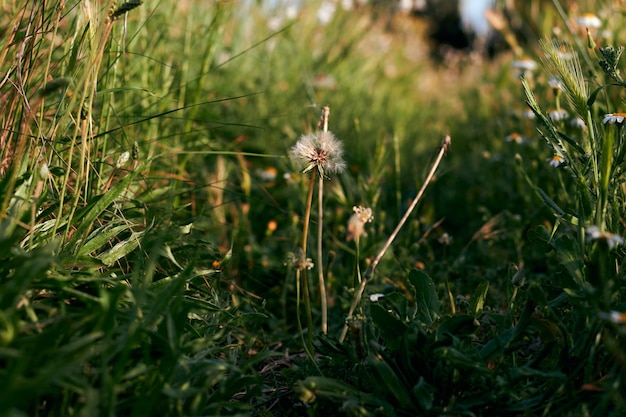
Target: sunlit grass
(150,207)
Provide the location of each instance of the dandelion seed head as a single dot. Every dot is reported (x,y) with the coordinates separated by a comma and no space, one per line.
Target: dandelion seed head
(321,151)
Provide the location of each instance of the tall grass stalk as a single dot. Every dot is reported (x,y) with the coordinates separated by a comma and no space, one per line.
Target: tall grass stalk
(443,148)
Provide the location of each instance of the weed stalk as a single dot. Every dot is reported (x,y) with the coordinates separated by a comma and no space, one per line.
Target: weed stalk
(445,145)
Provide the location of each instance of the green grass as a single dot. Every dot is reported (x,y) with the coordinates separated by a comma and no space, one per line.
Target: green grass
(149,207)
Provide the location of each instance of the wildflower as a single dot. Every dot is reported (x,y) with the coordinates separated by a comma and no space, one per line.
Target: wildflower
(524,67)
(529,114)
(326,12)
(321,151)
(614,118)
(356,224)
(376,297)
(555,83)
(445,239)
(578,123)
(612,240)
(299,260)
(589,20)
(268,174)
(524,64)
(616,317)
(556,160)
(557,114)
(515,137)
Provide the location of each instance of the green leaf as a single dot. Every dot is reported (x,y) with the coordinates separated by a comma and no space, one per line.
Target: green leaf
(568,254)
(390,327)
(101,237)
(389,379)
(460,325)
(425,394)
(425,296)
(121,249)
(478,299)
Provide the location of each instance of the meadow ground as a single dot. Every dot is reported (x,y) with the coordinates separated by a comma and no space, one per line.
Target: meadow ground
(222,208)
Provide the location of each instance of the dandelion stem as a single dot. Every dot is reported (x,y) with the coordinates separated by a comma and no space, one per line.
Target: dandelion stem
(320,222)
(320,265)
(445,144)
(305,284)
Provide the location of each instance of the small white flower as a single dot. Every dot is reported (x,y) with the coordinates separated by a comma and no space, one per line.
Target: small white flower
(616,317)
(558,114)
(555,83)
(445,239)
(321,151)
(326,12)
(578,123)
(614,118)
(516,138)
(612,240)
(376,297)
(524,64)
(556,160)
(589,20)
(529,114)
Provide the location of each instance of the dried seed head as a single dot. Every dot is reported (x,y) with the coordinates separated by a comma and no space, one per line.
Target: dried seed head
(321,151)
(299,260)
(356,223)
(124,8)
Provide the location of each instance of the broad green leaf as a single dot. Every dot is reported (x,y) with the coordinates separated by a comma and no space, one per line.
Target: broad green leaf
(390,327)
(425,296)
(391,381)
(460,325)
